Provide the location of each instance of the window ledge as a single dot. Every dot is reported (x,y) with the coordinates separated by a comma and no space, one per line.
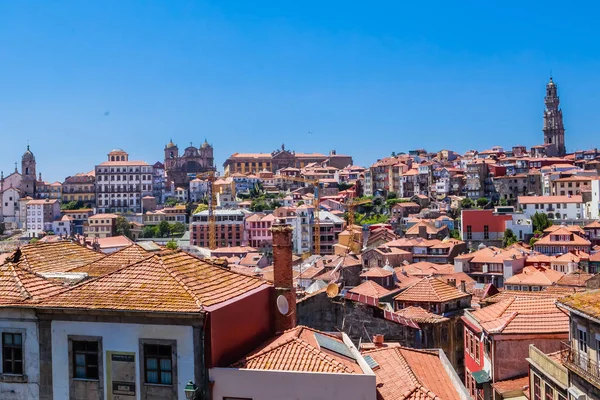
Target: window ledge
(13,378)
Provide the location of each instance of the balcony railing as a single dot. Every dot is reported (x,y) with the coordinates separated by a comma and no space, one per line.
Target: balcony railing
(580,363)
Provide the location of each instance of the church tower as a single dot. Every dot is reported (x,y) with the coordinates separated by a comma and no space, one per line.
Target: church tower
(554,131)
(171,155)
(28,176)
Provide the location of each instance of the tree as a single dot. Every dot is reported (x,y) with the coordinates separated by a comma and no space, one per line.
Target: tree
(34,240)
(300,203)
(509,238)
(392,195)
(482,202)
(171,245)
(503,202)
(201,207)
(344,186)
(540,222)
(533,240)
(171,202)
(149,231)
(122,227)
(177,227)
(393,154)
(466,203)
(164,229)
(455,234)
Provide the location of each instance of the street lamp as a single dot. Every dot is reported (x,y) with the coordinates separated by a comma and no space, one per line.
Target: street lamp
(190,390)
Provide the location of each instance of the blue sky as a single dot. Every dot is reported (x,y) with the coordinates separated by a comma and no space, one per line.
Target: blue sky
(366,78)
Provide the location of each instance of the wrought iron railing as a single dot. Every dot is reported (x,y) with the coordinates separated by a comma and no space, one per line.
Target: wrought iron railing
(580,363)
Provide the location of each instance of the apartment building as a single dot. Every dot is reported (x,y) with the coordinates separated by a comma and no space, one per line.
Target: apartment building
(567,207)
(121,183)
(80,187)
(40,215)
(229,228)
(101,226)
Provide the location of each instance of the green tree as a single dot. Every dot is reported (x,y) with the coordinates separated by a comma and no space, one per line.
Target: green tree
(344,186)
(466,203)
(540,222)
(509,238)
(149,231)
(177,227)
(482,202)
(164,229)
(503,202)
(201,207)
(455,234)
(123,227)
(171,202)
(533,240)
(171,245)
(300,203)
(34,240)
(392,195)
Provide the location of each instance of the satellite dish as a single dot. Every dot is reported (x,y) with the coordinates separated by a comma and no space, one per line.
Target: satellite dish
(282,305)
(332,290)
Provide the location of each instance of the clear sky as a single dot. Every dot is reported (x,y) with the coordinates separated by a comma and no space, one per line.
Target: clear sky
(366,78)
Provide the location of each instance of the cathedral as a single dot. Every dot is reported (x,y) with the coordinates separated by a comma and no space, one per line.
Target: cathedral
(181,169)
(554,130)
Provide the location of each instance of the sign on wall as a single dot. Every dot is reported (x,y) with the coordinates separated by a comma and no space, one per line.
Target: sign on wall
(120,375)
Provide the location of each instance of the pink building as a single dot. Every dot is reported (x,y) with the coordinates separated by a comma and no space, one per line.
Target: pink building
(258,230)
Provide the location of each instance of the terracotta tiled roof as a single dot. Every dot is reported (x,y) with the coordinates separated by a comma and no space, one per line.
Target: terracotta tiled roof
(550,199)
(570,228)
(410,374)
(538,276)
(59,256)
(114,241)
(577,278)
(18,284)
(507,294)
(173,282)
(429,225)
(370,289)
(575,240)
(492,255)
(587,303)
(376,272)
(511,385)
(114,261)
(298,350)
(430,290)
(523,315)
(425,268)
(420,315)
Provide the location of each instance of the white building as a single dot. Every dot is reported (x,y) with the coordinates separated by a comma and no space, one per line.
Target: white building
(121,184)
(302,235)
(9,206)
(198,189)
(63,226)
(556,207)
(40,216)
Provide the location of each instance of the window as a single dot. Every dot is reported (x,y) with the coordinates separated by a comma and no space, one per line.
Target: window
(469,232)
(537,389)
(85,359)
(477,351)
(12,353)
(486,232)
(549,393)
(158,364)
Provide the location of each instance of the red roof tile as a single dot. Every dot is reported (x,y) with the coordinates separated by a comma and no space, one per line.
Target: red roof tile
(431,290)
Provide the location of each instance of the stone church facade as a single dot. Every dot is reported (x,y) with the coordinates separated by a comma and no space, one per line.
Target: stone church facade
(180,169)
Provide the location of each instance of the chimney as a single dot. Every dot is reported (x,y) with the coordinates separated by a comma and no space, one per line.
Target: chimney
(463,286)
(452,282)
(423,231)
(378,340)
(283,278)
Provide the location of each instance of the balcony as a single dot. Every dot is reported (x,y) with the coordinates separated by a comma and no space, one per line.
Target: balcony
(580,363)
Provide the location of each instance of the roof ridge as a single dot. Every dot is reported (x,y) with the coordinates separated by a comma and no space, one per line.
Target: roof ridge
(20,284)
(181,282)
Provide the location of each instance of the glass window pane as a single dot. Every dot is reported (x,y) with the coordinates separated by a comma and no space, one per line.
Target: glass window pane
(17,353)
(80,360)
(165,364)
(165,378)
(7,338)
(18,367)
(152,363)
(92,359)
(151,377)
(17,339)
(80,372)
(92,373)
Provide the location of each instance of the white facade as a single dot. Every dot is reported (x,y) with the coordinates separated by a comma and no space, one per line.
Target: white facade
(566,211)
(9,205)
(40,216)
(289,385)
(198,189)
(22,322)
(593,207)
(520,226)
(302,235)
(63,227)
(121,184)
(124,338)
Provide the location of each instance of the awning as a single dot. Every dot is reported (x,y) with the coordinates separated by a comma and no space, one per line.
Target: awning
(481,377)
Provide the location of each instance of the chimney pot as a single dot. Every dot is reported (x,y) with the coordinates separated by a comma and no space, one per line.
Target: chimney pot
(283,278)
(463,286)
(378,340)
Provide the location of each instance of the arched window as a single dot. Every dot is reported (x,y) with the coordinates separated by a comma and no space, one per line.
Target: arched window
(112,158)
(27,171)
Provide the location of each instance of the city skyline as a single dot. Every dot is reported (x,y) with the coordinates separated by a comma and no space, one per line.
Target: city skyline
(84,79)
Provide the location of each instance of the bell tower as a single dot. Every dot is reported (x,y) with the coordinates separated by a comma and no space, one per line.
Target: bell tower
(554,130)
(171,155)
(28,173)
